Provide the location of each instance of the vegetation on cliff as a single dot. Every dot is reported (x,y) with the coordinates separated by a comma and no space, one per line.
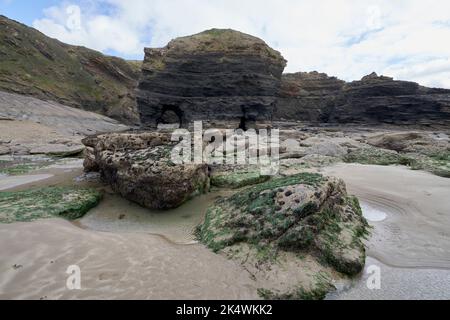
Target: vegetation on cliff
(36,65)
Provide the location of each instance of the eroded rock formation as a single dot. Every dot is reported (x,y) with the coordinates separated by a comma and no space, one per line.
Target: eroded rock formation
(218,76)
(305,215)
(139,167)
(309,97)
(317,98)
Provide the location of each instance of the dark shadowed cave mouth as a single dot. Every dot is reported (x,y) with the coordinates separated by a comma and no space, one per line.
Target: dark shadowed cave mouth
(171,115)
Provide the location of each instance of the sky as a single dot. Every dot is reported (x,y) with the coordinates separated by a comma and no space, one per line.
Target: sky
(405,39)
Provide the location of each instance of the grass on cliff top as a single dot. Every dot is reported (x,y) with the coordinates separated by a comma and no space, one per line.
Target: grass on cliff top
(224,40)
(30,205)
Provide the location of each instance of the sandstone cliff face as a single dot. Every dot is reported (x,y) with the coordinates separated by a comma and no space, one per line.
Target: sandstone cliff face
(35,65)
(314,97)
(217,76)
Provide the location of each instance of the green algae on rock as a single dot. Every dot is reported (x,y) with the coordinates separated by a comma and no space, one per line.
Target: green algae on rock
(17,169)
(437,162)
(30,205)
(376,156)
(304,214)
(238,179)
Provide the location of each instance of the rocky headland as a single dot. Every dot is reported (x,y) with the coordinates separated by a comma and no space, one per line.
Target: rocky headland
(321,99)
(223,77)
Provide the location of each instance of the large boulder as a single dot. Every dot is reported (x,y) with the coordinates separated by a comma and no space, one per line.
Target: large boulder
(299,220)
(218,76)
(139,167)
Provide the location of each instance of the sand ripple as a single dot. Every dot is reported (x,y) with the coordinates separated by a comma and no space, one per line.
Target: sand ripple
(113,266)
(416,232)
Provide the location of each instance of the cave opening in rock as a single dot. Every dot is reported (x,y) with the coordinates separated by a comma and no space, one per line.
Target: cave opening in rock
(243,124)
(172,116)
(243,121)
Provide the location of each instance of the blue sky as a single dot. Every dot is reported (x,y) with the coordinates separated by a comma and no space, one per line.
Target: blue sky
(406,39)
(25,11)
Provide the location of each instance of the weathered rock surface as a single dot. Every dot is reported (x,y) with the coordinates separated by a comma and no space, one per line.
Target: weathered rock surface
(309,97)
(317,98)
(36,65)
(237,178)
(44,203)
(305,214)
(139,167)
(215,76)
(39,127)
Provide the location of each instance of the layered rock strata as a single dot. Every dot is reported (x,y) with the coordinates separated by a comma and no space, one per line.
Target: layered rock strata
(218,76)
(318,98)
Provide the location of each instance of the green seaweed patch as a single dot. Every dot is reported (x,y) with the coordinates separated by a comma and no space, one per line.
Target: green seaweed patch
(242,198)
(437,163)
(377,156)
(65,202)
(253,216)
(338,250)
(236,180)
(18,169)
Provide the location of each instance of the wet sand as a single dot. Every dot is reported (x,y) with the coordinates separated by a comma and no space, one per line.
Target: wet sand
(416,231)
(410,215)
(124,251)
(129,252)
(113,266)
(398,284)
(10,182)
(115,214)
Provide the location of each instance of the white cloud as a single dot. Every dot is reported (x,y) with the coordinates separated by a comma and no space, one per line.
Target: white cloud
(70,24)
(407,39)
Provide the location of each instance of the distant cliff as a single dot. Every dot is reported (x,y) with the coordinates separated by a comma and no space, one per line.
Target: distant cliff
(219,76)
(36,65)
(318,98)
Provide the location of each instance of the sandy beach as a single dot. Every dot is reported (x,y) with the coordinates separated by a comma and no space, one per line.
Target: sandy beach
(416,231)
(128,252)
(35,257)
